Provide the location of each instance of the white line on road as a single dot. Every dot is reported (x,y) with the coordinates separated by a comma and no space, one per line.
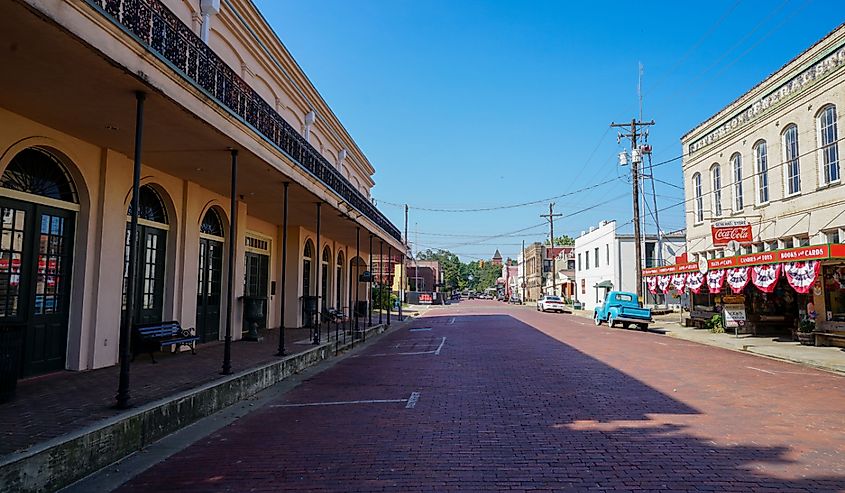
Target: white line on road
(412,401)
(759,369)
(452,321)
(437,353)
(339,403)
(661,343)
(418,329)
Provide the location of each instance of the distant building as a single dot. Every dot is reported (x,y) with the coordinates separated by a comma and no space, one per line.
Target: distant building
(423,275)
(560,280)
(497,258)
(606,260)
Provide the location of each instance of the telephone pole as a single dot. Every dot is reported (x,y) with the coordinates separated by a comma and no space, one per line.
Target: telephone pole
(551,217)
(636,157)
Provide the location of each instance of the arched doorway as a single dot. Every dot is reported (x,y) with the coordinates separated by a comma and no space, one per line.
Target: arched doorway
(325,273)
(338,279)
(360,293)
(152,252)
(209,276)
(37,219)
(307,259)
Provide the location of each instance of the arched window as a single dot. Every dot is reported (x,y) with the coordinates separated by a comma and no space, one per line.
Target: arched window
(792,168)
(38,172)
(699,200)
(212,224)
(307,258)
(150,206)
(761,165)
(716,182)
(736,164)
(828,145)
(338,279)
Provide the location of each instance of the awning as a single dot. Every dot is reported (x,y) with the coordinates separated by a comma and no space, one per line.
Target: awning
(604,284)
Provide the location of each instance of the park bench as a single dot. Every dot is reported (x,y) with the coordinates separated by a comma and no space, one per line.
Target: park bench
(150,337)
(829,338)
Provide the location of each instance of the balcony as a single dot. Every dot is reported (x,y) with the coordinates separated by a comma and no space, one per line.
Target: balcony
(156,28)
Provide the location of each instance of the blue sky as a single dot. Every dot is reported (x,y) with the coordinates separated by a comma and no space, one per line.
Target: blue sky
(475,104)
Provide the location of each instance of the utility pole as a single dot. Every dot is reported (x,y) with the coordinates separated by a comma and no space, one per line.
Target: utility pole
(551,217)
(402,267)
(636,157)
(524,276)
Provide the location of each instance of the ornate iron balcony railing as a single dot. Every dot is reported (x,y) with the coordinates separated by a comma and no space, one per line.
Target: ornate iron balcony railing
(161,32)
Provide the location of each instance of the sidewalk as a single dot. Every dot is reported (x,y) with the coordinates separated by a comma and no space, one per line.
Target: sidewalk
(824,358)
(63,424)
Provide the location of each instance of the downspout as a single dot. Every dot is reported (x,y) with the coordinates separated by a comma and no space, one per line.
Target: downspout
(207,9)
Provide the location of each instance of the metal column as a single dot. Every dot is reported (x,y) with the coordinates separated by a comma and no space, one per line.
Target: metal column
(389,269)
(128,321)
(357,266)
(230,293)
(370,286)
(283,291)
(380,277)
(319,259)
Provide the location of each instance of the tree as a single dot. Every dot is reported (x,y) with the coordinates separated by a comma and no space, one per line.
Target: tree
(564,240)
(456,274)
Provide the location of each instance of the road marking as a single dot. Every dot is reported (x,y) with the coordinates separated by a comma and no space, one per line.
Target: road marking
(661,343)
(418,329)
(452,321)
(437,353)
(410,402)
(339,403)
(759,369)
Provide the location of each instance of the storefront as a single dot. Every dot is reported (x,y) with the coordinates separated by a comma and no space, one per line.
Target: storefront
(773,290)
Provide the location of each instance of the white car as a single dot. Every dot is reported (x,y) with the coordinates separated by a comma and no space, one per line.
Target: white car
(551,304)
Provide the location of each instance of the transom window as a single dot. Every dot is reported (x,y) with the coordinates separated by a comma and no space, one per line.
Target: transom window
(736,164)
(761,166)
(38,172)
(212,224)
(150,206)
(716,178)
(828,137)
(793,169)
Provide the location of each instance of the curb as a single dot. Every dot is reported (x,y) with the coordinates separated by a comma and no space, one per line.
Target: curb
(56,463)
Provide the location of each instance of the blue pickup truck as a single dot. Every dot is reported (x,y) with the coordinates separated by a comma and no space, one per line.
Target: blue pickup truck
(624,308)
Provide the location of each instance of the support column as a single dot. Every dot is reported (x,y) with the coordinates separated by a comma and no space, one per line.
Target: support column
(370,286)
(319,261)
(284,273)
(381,277)
(390,270)
(357,268)
(230,275)
(402,284)
(349,296)
(128,322)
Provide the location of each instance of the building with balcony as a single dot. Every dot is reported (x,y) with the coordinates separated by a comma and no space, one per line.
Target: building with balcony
(771,159)
(197,102)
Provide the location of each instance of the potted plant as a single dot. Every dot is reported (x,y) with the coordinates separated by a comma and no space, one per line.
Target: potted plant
(805,332)
(715,324)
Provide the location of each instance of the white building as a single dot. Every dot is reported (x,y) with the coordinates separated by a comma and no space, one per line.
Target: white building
(605,260)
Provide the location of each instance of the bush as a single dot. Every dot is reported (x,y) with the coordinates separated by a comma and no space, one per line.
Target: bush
(715,324)
(383,298)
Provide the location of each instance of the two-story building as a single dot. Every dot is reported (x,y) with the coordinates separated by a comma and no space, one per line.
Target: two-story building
(195,109)
(770,162)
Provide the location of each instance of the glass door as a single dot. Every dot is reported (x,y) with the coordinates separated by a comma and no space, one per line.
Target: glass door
(208,289)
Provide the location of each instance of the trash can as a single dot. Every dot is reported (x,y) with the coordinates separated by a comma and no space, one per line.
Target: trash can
(361,309)
(11,338)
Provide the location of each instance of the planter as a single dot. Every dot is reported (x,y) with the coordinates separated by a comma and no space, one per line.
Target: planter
(807,338)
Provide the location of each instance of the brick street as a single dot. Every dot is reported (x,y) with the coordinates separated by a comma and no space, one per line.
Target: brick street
(510,399)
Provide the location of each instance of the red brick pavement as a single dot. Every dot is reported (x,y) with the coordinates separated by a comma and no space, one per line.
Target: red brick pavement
(523,401)
(52,405)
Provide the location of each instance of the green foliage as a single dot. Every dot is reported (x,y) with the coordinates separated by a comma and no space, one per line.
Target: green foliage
(456,274)
(806,325)
(383,298)
(564,240)
(715,324)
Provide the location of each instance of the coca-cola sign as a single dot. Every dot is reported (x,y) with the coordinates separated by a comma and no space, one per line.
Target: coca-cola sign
(725,232)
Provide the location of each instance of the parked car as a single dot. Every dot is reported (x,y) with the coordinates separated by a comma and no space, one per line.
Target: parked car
(549,303)
(624,308)
(515,300)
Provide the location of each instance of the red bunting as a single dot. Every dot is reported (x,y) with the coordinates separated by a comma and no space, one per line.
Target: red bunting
(802,275)
(765,277)
(737,278)
(715,280)
(694,281)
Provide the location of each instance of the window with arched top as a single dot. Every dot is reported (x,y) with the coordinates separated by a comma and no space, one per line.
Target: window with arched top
(736,165)
(716,183)
(150,206)
(761,175)
(38,172)
(307,258)
(338,279)
(699,199)
(828,144)
(324,275)
(792,167)
(212,224)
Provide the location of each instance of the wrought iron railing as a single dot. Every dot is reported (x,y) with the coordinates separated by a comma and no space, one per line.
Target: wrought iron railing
(163,33)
